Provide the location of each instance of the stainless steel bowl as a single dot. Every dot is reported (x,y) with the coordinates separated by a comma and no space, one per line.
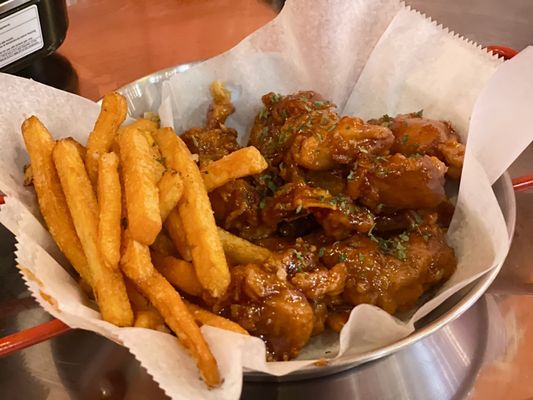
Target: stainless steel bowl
(145,95)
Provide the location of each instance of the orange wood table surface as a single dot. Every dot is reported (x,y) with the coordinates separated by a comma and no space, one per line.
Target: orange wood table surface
(113,42)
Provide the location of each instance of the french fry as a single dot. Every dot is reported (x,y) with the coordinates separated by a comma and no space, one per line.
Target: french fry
(240,251)
(137,266)
(170,190)
(175,230)
(150,319)
(240,163)
(164,245)
(110,206)
(40,144)
(112,114)
(204,317)
(142,197)
(196,216)
(108,283)
(143,124)
(179,273)
(146,316)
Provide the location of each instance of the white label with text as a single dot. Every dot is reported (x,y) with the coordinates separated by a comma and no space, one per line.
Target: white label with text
(20,35)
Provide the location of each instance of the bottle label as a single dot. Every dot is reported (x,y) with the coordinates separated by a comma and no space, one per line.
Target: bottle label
(20,35)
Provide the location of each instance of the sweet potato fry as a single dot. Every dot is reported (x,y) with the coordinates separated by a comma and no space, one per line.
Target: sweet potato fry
(142,197)
(40,144)
(110,205)
(240,251)
(170,190)
(164,245)
(137,266)
(204,317)
(196,215)
(112,114)
(179,273)
(108,283)
(175,230)
(240,163)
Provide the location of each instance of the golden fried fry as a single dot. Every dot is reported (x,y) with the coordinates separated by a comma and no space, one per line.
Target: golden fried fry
(81,148)
(174,227)
(164,245)
(240,251)
(240,163)
(110,205)
(196,215)
(142,197)
(52,203)
(108,283)
(179,273)
(204,317)
(28,175)
(112,114)
(170,191)
(150,319)
(143,124)
(137,266)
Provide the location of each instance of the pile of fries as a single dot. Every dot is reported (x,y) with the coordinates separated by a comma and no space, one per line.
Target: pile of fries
(109,207)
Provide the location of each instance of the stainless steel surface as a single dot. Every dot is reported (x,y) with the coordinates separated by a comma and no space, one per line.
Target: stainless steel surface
(479,355)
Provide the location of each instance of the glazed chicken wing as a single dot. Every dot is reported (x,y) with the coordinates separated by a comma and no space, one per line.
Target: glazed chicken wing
(404,182)
(416,135)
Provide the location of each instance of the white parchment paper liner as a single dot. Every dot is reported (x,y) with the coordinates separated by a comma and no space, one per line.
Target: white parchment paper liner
(371,58)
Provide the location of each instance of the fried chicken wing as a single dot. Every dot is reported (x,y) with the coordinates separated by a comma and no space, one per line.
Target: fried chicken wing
(394,273)
(268,307)
(400,182)
(417,135)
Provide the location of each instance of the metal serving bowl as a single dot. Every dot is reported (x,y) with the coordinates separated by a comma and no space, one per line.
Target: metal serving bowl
(145,95)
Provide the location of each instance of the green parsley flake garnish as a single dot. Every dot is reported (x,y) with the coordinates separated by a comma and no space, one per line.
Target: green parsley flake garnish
(380,207)
(195,142)
(263,114)
(361,257)
(342,257)
(419,113)
(426,236)
(332,127)
(405,139)
(404,237)
(318,103)
(418,218)
(321,252)
(351,175)
(276,97)
(262,203)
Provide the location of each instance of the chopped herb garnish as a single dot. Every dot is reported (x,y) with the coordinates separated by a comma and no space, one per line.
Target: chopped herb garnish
(382,172)
(262,203)
(351,175)
(371,234)
(275,97)
(386,118)
(419,113)
(404,237)
(418,218)
(195,142)
(263,114)
(417,155)
(318,103)
(264,134)
(307,108)
(361,257)
(321,252)
(426,236)
(380,207)
(342,257)
(300,257)
(405,139)
(332,127)
(400,251)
